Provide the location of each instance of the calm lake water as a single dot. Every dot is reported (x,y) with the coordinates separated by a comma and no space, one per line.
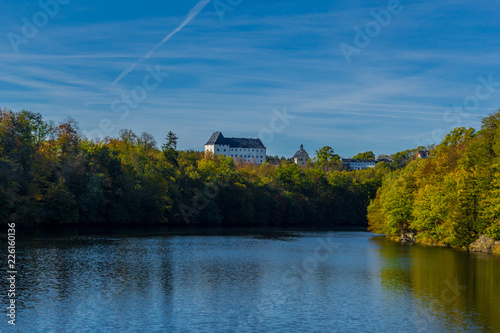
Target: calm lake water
(251,281)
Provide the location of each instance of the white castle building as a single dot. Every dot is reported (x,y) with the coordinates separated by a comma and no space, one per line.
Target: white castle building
(240,149)
(301,156)
(358,163)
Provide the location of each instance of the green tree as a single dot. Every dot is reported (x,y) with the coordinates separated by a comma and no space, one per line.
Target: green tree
(401,159)
(369,155)
(170,149)
(325,154)
(53,175)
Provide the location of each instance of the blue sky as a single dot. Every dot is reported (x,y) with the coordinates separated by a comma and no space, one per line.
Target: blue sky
(233,71)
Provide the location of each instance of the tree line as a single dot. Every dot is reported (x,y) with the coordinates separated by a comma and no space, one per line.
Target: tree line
(51,174)
(449,198)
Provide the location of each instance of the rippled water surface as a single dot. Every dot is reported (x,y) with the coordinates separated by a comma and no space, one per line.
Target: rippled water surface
(251,281)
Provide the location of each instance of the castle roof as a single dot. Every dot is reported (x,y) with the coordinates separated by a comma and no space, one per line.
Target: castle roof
(301,152)
(358,160)
(218,139)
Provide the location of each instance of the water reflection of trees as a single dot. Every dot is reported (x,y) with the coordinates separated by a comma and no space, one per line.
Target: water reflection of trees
(451,289)
(96,282)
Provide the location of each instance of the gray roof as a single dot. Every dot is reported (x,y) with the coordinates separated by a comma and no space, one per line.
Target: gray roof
(218,139)
(299,153)
(358,160)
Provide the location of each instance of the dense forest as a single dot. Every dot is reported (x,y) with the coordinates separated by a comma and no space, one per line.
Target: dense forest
(53,175)
(449,198)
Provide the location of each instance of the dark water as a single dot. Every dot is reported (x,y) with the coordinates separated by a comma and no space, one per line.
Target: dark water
(344,281)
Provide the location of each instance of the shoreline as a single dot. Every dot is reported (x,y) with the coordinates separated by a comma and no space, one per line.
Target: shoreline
(89,230)
(483,244)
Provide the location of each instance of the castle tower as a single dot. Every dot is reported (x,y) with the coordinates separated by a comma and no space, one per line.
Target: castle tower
(301,156)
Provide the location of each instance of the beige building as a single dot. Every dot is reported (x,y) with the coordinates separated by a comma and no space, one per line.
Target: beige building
(301,156)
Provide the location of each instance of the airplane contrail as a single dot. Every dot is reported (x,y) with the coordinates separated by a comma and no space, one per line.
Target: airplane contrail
(191,15)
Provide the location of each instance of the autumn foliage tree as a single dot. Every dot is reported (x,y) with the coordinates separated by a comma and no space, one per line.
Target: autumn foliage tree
(450,198)
(51,174)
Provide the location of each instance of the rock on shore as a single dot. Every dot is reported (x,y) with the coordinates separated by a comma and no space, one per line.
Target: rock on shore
(408,237)
(485,244)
